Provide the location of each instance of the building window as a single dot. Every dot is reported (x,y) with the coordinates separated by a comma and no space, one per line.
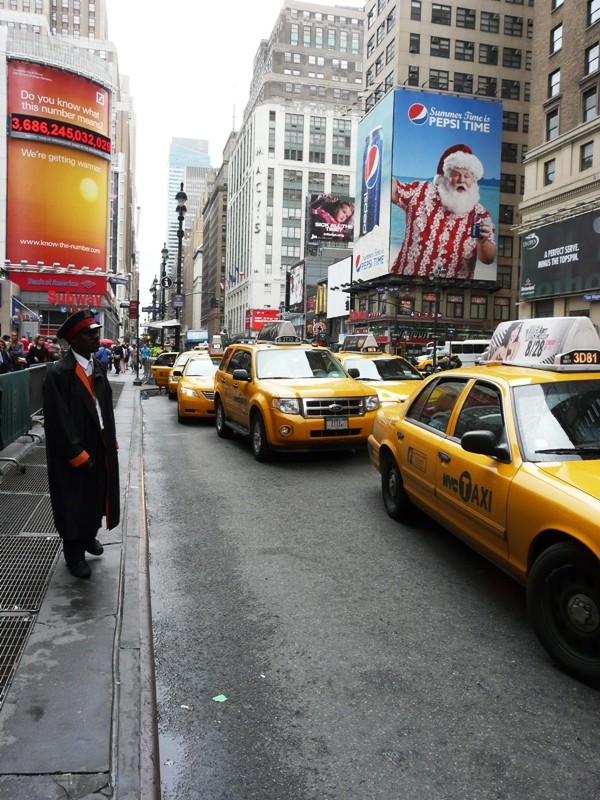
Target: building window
(455,304)
(549,171)
(414,45)
(525,123)
(294,33)
(590,104)
(554,83)
(513,26)
(552,125)
(464,51)
(505,246)
(478,307)
(463,82)
(488,22)
(501,309)
(511,57)
(488,54)
(556,35)
(593,11)
(592,55)
(504,273)
(439,79)
(465,18)
(506,214)
(487,86)
(510,121)
(391,20)
(508,183)
(556,4)
(441,14)
(586,156)
(413,76)
(390,51)
(440,47)
(380,33)
(510,152)
(415,10)
(511,90)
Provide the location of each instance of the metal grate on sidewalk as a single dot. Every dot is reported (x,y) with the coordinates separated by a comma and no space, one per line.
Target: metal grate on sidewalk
(25,569)
(14,630)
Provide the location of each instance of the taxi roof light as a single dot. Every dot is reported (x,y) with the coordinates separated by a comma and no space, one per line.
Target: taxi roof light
(278,332)
(360,344)
(559,344)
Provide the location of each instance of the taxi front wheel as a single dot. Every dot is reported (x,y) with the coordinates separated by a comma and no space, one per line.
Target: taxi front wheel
(223,430)
(563,602)
(394,497)
(258,437)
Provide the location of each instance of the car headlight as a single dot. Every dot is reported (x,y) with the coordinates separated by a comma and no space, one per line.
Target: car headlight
(287,405)
(189,393)
(372,403)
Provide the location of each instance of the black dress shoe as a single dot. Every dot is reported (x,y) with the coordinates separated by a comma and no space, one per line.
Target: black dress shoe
(80,570)
(94,548)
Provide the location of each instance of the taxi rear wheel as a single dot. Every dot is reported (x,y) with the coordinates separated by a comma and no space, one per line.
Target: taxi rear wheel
(258,437)
(223,430)
(394,497)
(563,602)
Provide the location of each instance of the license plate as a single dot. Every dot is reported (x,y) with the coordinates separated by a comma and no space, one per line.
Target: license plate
(336,423)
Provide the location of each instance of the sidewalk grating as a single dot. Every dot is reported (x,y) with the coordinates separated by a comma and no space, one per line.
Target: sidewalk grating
(16,511)
(25,569)
(34,481)
(14,631)
(41,520)
(37,455)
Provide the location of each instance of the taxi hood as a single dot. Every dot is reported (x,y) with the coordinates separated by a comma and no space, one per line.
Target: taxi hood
(582,475)
(316,387)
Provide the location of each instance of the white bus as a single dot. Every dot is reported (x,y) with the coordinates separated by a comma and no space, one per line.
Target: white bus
(468,350)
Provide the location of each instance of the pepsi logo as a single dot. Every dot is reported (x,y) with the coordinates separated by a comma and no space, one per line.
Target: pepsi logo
(417,114)
(357,263)
(371,165)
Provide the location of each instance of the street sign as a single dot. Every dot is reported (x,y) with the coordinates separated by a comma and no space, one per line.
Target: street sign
(166,282)
(133,309)
(118,281)
(150,309)
(177,300)
(124,305)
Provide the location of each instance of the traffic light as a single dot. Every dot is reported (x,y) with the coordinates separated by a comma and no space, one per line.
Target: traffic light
(214,303)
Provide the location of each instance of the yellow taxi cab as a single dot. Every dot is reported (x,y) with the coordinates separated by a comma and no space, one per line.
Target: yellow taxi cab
(287,395)
(392,377)
(506,455)
(161,368)
(196,388)
(177,368)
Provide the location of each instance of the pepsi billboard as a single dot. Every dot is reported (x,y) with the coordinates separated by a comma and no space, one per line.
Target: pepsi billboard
(428,187)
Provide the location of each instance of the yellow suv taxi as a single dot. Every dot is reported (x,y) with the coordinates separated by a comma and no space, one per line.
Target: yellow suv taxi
(288,395)
(506,455)
(392,377)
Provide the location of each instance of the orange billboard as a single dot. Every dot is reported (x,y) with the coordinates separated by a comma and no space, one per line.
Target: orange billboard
(58,167)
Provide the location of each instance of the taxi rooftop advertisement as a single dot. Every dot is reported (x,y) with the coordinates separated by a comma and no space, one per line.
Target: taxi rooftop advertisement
(428,186)
(561,258)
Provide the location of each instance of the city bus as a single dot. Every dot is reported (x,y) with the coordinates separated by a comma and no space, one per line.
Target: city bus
(468,350)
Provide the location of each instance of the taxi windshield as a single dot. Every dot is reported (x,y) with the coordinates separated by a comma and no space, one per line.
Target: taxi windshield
(559,421)
(297,363)
(200,367)
(383,369)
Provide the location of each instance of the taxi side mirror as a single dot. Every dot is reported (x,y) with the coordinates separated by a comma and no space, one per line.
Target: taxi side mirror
(353,372)
(177,373)
(240,375)
(485,443)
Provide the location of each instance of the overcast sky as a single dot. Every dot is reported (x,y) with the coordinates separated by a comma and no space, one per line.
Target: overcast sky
(190,71)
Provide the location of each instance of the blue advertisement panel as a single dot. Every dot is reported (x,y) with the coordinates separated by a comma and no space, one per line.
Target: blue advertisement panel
(433,202)
(562,258)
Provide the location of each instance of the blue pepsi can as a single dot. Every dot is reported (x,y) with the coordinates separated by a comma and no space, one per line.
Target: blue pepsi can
(371,181)
(476,226)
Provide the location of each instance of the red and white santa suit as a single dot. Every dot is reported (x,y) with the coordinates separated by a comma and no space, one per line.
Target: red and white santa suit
(436,236)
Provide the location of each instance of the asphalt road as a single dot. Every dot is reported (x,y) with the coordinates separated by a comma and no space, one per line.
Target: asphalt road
(361,659)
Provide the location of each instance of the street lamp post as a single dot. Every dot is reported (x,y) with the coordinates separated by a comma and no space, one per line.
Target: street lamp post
(181,198)
(163,274)
(153,294)
(439,275)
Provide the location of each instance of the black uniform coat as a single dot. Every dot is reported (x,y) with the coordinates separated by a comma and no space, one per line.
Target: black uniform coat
(80,496)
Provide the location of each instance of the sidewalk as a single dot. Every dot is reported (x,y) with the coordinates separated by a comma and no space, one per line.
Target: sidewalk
(78,718)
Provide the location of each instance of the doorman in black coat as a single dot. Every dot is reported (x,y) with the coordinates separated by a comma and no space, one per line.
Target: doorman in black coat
(81,445)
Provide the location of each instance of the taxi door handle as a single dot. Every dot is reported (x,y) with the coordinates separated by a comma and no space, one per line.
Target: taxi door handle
(444,457)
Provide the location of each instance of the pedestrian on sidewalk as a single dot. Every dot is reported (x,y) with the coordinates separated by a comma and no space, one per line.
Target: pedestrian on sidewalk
(81,444)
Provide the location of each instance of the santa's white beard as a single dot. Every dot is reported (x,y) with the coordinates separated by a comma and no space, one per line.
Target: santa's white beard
(457,202)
